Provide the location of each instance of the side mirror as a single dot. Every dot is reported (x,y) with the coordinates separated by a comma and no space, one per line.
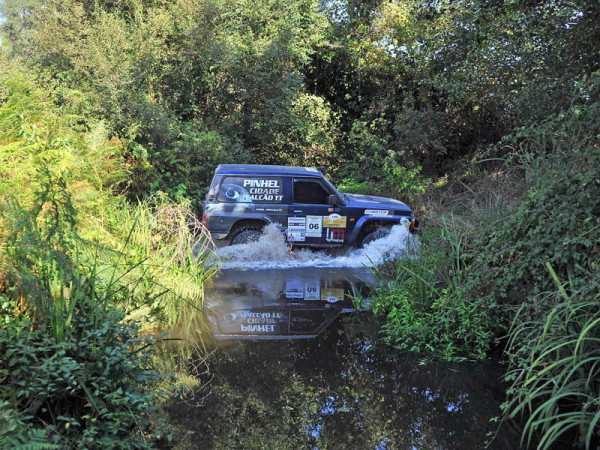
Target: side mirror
(332,200)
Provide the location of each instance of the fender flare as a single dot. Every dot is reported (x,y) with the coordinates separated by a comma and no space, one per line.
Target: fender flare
(251,218)
(367,220)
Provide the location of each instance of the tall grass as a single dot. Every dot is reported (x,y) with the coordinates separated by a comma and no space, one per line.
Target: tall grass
(168,255)
(556,371)
(422,300)
(74,371)
(58,178)
(72,365)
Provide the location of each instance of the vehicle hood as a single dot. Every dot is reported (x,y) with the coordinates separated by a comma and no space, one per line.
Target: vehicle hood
(373,202)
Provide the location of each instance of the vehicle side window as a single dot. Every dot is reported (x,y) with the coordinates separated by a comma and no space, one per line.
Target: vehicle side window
(251,190)
(312,192)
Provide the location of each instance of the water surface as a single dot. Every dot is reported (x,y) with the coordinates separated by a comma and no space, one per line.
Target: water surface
(293,365)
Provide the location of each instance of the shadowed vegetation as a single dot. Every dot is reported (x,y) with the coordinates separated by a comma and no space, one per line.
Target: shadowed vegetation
(484,115)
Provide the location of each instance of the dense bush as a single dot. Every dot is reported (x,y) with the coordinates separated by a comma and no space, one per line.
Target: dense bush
(186,85)
(531,266)
(74,371)
(71,366)
(557,222)
(67,177)
(424,305)
(88,388)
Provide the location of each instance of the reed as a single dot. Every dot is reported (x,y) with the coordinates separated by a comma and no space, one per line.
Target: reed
(555,371)
(165,261)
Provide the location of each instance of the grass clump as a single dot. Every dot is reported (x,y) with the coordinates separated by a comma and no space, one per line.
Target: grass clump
(88,387)
(168,249)
(424,305)
(73,369)
(556,377)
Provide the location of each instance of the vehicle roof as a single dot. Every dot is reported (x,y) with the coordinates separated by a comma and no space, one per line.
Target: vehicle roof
(255,169)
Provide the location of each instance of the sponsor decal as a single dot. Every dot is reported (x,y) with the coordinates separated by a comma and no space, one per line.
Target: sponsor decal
(249,190)
(294,288)
(335,235)
(235,193)
(296,231)
(334,221)
(332,295)
(312,290)
(377,212)
(280,210)
(314,226)
(264,190)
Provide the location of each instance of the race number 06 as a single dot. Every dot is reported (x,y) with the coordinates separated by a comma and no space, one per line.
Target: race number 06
(313,226)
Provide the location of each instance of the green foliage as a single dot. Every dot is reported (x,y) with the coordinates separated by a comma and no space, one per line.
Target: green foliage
(15,434)
(424,305)
(369,147)
(449,77)
(409,183)
(163,264)
(351,186)
(76,371)
(73,369)
(51,175)
(557,221)
(88,389)
(311,139)
(186,85)
(555,370)
(190,159)
(37,143)
(376,168)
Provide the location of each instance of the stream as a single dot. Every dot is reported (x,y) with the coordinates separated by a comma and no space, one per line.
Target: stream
(292,364)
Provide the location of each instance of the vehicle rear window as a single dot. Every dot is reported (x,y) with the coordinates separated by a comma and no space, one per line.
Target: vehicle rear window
(251,190)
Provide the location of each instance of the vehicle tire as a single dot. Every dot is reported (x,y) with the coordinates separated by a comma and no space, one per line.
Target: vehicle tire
(374,235)
(246,235)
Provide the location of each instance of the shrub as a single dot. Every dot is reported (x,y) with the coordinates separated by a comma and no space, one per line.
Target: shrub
(558,220)
(14,432)
(90,388)
(425,306)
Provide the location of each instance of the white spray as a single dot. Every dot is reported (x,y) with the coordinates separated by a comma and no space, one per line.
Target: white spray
(272,252)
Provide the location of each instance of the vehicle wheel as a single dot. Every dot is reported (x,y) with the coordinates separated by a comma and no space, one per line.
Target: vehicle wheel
(374,235)
(246,235)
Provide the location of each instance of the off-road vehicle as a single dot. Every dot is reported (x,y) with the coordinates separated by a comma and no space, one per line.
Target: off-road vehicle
(243,199)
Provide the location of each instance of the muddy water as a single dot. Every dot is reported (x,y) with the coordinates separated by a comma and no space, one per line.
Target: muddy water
(293,365)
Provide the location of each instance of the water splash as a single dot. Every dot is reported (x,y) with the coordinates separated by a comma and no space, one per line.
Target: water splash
(272,252)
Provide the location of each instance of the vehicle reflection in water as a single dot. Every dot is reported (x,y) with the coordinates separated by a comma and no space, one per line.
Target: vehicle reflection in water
(284,304)
(343,389)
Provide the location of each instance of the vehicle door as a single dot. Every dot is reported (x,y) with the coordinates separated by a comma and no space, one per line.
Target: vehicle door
(311,220)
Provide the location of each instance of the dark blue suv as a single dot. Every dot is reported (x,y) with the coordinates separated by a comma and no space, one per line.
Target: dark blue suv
(244,198)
